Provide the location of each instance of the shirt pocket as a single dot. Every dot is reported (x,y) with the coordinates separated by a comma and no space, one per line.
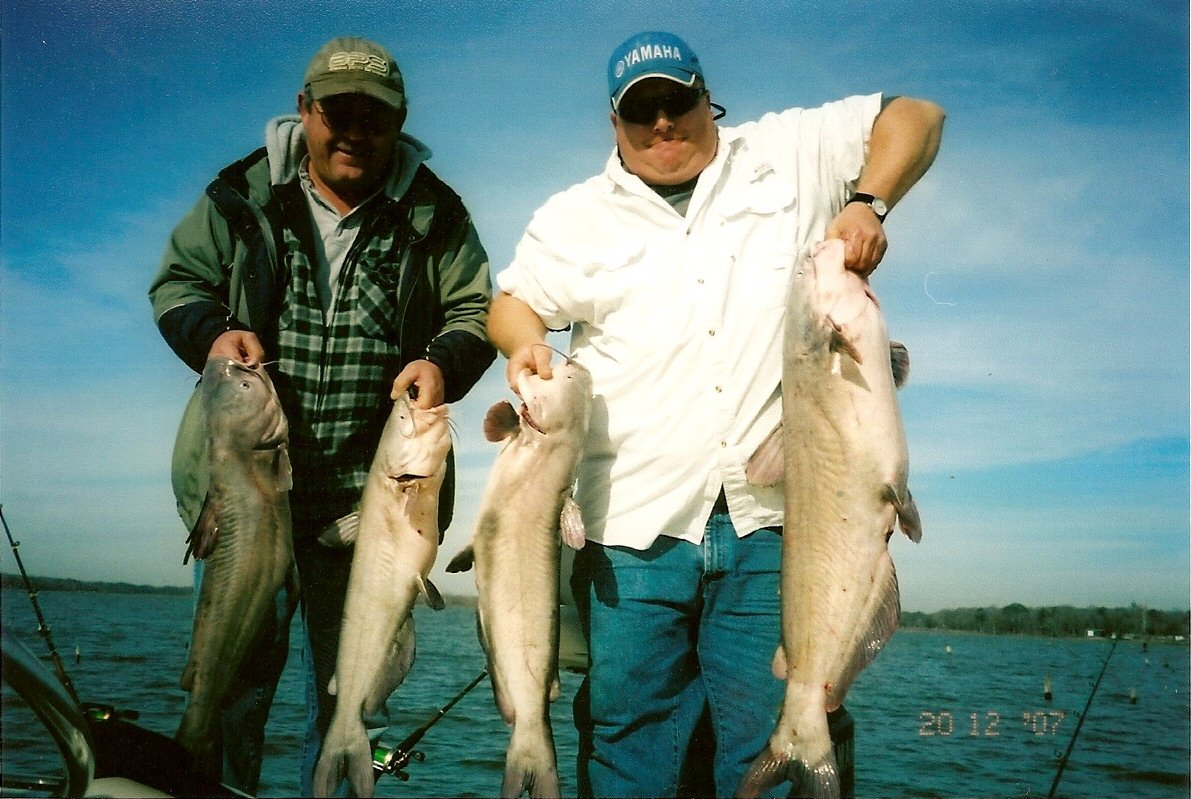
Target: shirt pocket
(760,233)
(770,281)
(765,194)
(612,276)
(377,291)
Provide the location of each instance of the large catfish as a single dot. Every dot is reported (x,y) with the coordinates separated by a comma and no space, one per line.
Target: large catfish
(845,486)
(244,536)
(396,546)
(526,512)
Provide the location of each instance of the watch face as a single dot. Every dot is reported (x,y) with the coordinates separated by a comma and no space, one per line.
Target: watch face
(879,206)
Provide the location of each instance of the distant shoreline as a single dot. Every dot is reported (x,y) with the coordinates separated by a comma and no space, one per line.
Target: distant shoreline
(936,621)
(70,584)
(67,584)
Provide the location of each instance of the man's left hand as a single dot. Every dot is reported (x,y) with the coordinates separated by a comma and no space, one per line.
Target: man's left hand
(426,381)
(863,236)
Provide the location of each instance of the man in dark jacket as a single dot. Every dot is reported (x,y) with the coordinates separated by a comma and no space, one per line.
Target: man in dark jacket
(336,255)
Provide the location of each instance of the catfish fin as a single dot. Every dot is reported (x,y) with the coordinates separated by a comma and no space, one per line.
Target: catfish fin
(463,560)
(908,519)
(430,593)
(899,361)
(342,532)
(398,661)
(187,681)
(767,466)
(205,535)
(883,610)
(778,666)
(570,524)
(500,691)
(841,343)
(501,421)
(282,468)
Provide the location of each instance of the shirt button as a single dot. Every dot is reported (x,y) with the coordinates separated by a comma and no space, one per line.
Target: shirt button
(719,389)
(711,332)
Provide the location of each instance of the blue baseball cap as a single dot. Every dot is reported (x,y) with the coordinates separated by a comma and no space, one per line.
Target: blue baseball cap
(652,54)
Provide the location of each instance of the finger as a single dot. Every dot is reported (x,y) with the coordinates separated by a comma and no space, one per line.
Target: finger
(851,252)
(252,351)
(864,256)
(513,374)
(542,362)
(873,253)
(401,384)
(430,397)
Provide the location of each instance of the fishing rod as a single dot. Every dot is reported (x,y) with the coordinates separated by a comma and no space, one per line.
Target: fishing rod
(42,626)
(393,760)
(1066,755)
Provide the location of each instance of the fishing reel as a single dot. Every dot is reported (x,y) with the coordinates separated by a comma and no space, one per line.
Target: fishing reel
(393,760)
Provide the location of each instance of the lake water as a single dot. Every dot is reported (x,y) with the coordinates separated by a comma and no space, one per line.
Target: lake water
(937,715)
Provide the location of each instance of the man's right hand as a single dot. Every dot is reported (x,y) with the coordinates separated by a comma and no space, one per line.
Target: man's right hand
(238,345)
(532,358)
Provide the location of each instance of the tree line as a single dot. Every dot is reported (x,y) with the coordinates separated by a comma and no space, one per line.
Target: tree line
(1060,620)
(1014,619)
(68,584)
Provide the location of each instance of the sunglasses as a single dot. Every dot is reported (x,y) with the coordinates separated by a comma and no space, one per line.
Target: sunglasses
(343,112)
(644,110)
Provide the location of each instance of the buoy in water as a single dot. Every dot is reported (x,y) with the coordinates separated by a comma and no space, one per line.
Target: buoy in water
(1133,696)
(947,649)
(78,655)
(1046,686)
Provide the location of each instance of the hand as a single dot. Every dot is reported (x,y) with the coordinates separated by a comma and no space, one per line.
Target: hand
(426,380)
(863,237)
(532,358)
(238,345)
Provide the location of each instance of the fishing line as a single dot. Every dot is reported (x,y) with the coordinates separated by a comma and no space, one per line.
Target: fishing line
(1066,755)
(565,357)
(43,627)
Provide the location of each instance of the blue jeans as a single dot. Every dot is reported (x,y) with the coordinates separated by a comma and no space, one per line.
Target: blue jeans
(671,630)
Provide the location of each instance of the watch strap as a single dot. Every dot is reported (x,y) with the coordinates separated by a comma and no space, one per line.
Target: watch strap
(869,200)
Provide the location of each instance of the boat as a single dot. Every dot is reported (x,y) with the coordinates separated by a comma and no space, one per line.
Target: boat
(102,751)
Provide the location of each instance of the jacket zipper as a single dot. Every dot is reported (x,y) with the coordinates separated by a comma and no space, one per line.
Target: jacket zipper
(349,270)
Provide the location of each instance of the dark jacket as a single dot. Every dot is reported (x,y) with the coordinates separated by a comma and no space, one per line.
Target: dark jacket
(224,268)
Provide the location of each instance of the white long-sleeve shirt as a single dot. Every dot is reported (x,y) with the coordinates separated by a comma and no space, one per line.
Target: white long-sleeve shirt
(680,319)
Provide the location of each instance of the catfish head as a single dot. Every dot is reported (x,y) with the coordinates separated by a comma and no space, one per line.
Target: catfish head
(415,442)
(241,405)
(559,405)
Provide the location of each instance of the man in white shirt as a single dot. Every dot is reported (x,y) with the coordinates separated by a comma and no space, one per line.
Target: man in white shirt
(670,267)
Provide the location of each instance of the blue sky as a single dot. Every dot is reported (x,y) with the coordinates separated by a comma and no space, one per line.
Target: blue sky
(1038,274)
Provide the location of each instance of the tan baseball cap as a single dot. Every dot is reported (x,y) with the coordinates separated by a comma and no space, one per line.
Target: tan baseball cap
(351,65)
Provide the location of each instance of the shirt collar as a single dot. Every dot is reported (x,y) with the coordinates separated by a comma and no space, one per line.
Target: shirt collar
(619,177)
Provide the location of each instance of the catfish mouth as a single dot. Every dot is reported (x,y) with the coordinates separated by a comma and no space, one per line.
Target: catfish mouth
(528,419)
(234,370)
(231,367)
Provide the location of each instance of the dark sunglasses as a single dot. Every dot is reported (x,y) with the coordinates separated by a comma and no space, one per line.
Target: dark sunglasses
(674,103)
(341,112)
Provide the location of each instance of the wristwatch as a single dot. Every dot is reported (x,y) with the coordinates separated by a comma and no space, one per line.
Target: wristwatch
(876,203)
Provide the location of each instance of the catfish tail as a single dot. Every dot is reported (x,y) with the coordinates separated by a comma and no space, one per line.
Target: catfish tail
(819,780)
(530,764)
(346,753)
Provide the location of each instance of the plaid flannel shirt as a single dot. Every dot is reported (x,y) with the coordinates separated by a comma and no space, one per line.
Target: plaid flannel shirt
(336,372)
